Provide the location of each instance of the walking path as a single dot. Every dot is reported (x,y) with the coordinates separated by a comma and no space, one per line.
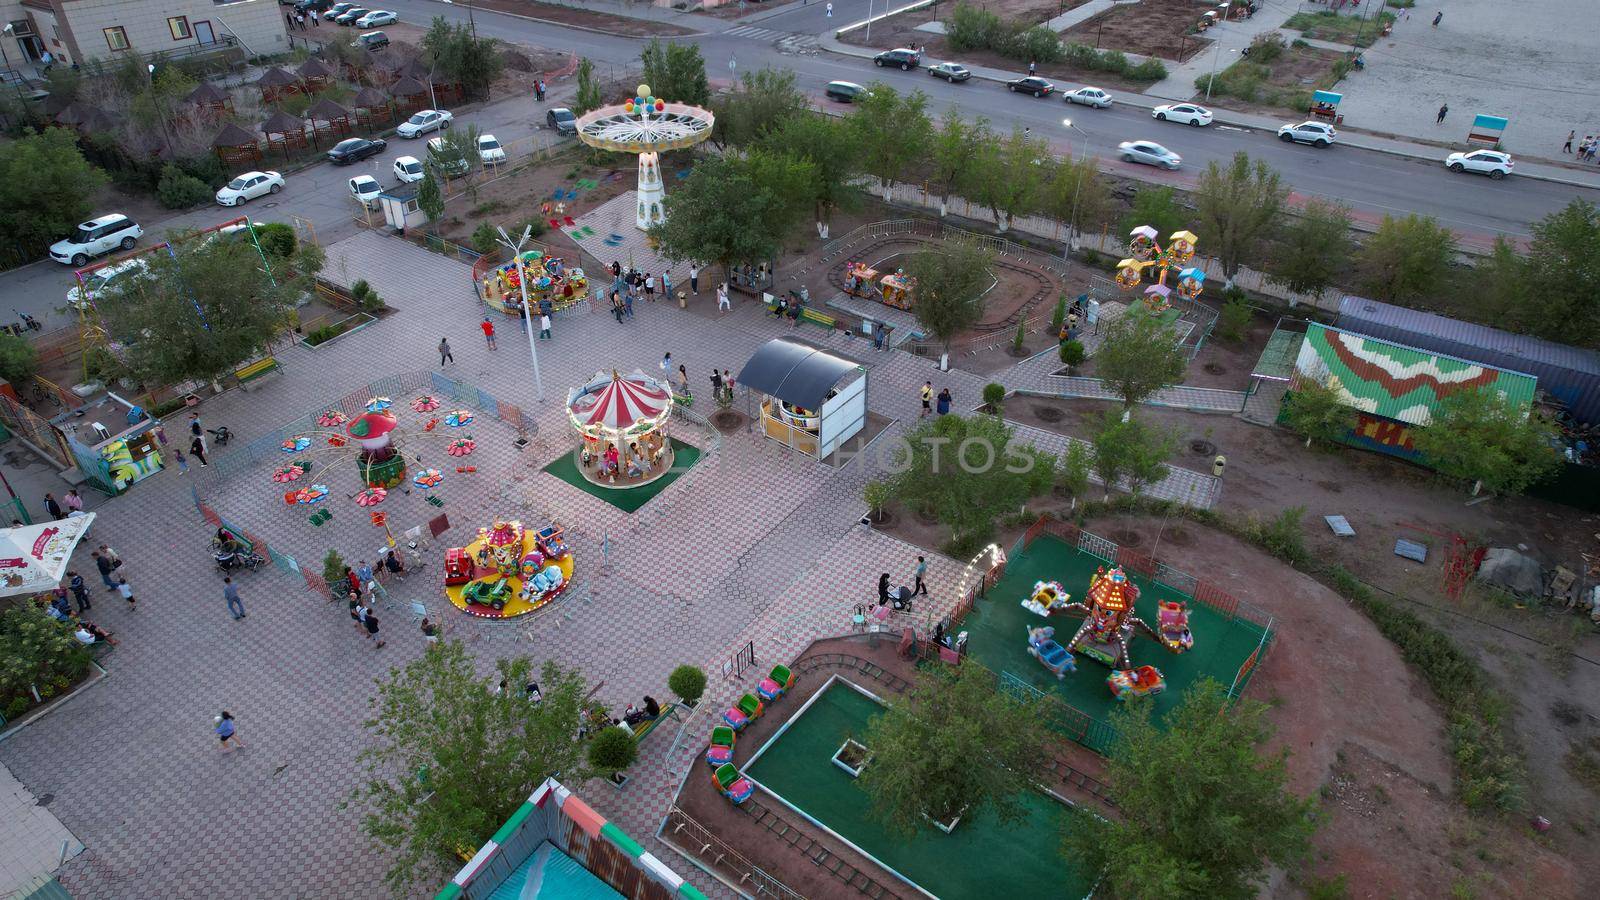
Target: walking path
(32,840)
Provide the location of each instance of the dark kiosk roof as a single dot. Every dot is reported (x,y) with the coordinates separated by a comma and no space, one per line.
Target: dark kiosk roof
(794,373)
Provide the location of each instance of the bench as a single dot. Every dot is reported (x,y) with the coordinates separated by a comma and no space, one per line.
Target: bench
(259,369)
(807,314)
(643,729)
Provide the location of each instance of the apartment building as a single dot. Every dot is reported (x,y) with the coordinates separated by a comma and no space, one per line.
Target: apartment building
(77,31)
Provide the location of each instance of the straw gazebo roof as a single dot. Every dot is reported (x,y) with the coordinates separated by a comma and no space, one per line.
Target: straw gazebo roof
(276,78)
(98,120)
(206,92)
(327,111)
(407,87)
(232,135)
(281,122)
(71,114)
(315,68)
(370,98)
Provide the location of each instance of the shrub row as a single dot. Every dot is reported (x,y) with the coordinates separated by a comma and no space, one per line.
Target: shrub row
(972,28)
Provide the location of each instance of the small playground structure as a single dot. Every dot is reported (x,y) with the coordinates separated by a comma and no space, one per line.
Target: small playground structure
(1109,627)
(1145,253)
(551,283)
(507,571)
(810,400)
(1046,596)
(622,422)
(1043,647)
(896,289)
(646,125)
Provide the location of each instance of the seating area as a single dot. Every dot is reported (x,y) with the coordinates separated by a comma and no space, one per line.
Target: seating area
(261,368)
(719,755)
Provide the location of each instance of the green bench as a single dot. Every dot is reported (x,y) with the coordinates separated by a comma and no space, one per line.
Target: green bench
(259,369)
(807,314)
(643,729)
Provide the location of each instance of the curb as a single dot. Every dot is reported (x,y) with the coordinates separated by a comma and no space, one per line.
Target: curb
(594,30)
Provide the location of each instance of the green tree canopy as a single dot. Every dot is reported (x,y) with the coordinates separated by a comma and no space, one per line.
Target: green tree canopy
(588,96)
(458,56)
(832,149)
(45,188)
(1203,810)
(1407,259)
(950,286)
(1139,356)
(1077,195)
(1129,451)
(966,472)
(1238,205)
(430,198)
(1011,177)
(1480,437)
(1315,412)
(1313,249)
(894,132)
(955,151)
(676,72)
(734,210)
(767,98)
(1159,208)
(449,758)
(18,360)
(200,311)
(1554,291)
(952,745)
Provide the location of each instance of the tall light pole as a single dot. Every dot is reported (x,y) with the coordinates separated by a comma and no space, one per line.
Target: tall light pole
(1215,58)
(1077,188)
(868,37)
(527,312)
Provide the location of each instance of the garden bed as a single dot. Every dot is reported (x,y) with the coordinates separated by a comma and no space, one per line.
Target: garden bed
(1285,83)
(1327,25)
(1158,28)
(320,331)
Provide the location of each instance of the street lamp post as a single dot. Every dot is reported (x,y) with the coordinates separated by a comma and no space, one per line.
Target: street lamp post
(527,312)
(1215,59)
(1077,189)
(869,23)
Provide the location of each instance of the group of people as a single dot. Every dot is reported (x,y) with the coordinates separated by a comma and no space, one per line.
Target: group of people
(944,399)
(627,286)
(66,506)
(632,463)
(297,19)
(1587,150)
(57,607)
(364,588)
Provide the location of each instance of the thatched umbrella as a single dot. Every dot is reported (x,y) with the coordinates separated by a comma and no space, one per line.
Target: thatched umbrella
(209,95)
(98,121)
(275,82)
(315,73)
(409,94)
(335,117)
(235,145)
(372,107)
(284,132)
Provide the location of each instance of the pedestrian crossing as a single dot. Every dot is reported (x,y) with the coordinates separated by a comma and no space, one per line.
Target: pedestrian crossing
(760,34)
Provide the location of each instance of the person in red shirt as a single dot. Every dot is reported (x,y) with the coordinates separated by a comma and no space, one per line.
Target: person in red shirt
(488,332)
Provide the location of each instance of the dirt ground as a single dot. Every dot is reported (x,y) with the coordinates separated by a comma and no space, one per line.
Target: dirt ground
(1149,28)
(1294,75)
(567,15)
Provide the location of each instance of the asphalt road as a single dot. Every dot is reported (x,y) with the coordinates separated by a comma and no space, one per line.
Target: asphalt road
(1372,183)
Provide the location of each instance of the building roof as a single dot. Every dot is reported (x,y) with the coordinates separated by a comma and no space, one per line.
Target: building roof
(370,98)
(1399,382)
(1356,310)
(407,87)
(281,122)
(276,77)
(206,92)
(327,110)
(616,402)
(232,135)
(794,373)
(314,68)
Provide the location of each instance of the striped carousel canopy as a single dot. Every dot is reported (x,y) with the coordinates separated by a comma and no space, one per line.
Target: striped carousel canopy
(616,403)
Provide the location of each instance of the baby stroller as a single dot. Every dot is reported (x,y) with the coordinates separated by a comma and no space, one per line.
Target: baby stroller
(900,599)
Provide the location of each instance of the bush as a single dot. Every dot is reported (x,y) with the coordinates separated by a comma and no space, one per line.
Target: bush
(178,190)
(875,494)
(1038,44)
(277,239)
(366,298)
(38,651)
(1018,339)
(1072,354)
(1243,79)
(1266,48)
(1299,43)
(613,750)
(18,361)
(484,238)
(971,28)
(993,395)
(1281,536)
(688,682)
(1235,318)
(1151,70)
(333,565)
(1060,314)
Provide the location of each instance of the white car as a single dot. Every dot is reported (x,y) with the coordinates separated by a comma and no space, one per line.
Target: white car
(423,122)
(366,189)
(1182,112)
(1492,163)
(377,17)
(249,186)
(1317,134)
(489,149)
(1089,96)
(408,169)
(94,237)
(1150,153)
(96,282)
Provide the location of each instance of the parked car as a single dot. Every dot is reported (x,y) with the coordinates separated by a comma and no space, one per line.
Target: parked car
(95,237)
(1089,96)
(321,6)
(1032,84)
(951,72)
(1492,163)
(1150,153)
(349,16)
(901,58)
(337,10)
(377,17)
(249,186)
(1182,112)
(100,278)
(353,149)
(1317,134)
(563,120)
(372,40)
(446,160)
(423,122)
(366,189)
(489,149)
(408,169)
(844,91)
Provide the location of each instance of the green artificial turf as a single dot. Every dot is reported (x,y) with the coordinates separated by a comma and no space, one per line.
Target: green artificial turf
(626,499)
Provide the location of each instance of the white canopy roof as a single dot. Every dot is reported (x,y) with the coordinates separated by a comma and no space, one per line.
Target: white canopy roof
(34,557)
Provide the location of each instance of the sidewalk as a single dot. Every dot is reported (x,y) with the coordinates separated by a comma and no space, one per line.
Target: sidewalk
(32,840)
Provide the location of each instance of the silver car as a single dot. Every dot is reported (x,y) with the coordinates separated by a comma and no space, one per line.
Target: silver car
(1150,153)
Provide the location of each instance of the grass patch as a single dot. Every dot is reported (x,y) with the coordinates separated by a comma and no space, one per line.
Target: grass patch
(1278,81)
(1583,762)
(1327,25)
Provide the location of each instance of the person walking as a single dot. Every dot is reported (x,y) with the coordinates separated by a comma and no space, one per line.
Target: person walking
(126,590)
(1436,17)
(694,279)
(354,581)
(944,402)
(197,449)
(51,506)
(544,327)
(102,564)
(830,10)
(538,90)
(444,352)
(230,593)
(227,731)
(666,285)
(181,460)
(716,384)
(683,380)
(927,398)
(666,363)
(73,501)
(649,288)
(921,570)
(1444,110)
(370,622)
(727,382)
(1033,67)
(1567,147)
(288,20)
(877,335)
(627,302)
(616,305)
(488,332)
(80,591)
(722,298)
(316,18)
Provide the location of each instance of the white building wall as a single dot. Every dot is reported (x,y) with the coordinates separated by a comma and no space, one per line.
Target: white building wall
(149,25)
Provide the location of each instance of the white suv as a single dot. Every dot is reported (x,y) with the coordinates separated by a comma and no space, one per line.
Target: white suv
(97,281)
(1492,163)
(1316,134)
(96,237)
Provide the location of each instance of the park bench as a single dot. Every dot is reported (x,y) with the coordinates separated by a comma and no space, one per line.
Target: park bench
(807,314)
(643,729)
(259,369)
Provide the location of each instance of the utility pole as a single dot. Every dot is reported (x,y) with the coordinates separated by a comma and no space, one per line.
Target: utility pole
(527,313)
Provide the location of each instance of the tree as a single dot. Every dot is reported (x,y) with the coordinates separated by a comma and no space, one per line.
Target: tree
(449,759)
(1011,177)
(1072,354)
(1159,208)
(1316,412)
(676,72)
(1076,194)
(834,151)
(1139,356)
(1238,205)
(589,96)
(198,312)
(1562,270)
(45,188)
(1313,249)
(688,682)
(1072,469)
(994,393)
(768,99)
(965,471)
(1407,259)
(733,210)
(459,149)
(1203,810)
(18,360)
(613,750)
(1481,437)
(459,57)
(955,151)
(430,198)
(875,494)
(1125,449)
(953,745)
(950,285)
(893,130)
(37,652)
(1059,315)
